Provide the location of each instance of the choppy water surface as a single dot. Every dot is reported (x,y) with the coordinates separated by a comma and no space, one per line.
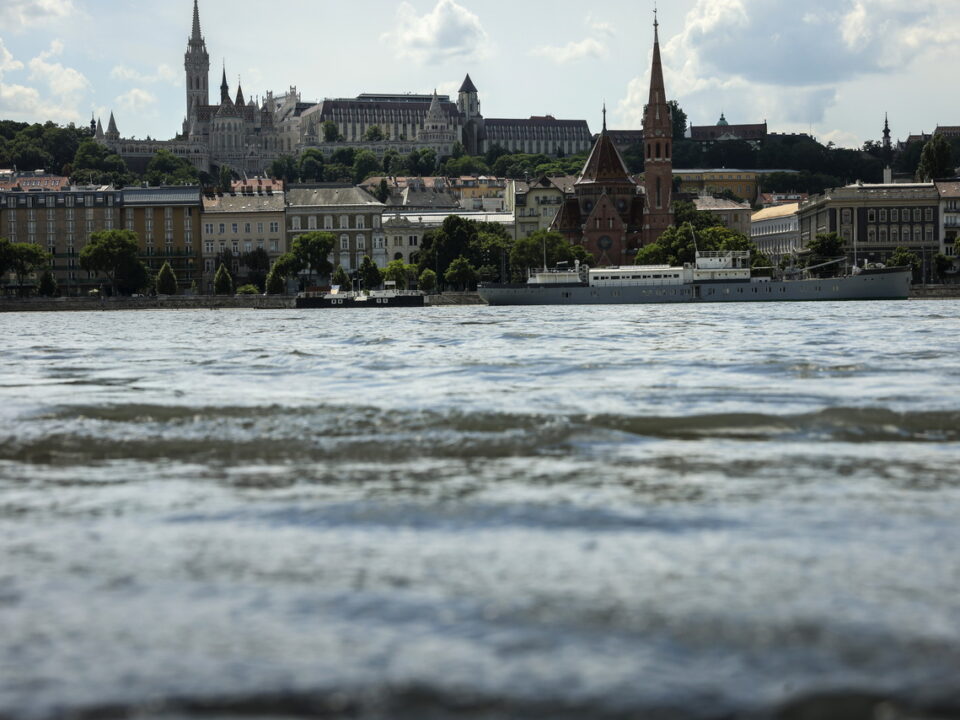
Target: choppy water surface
(657,511)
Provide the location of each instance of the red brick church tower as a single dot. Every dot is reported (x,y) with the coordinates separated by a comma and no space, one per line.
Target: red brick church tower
(658,151)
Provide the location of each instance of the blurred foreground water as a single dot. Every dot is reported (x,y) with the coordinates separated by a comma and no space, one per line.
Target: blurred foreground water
(658,511)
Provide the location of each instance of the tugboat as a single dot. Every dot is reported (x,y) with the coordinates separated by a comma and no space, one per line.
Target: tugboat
(390,296)
(715,277)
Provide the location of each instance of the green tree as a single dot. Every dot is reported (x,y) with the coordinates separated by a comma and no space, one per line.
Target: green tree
(248,289)
(285,168)
(47,287)
(382,191)
(936,160)
(529,252)
(331,133)
(457,151)
(276,282)
(461,274)
(679,119)
(941,265)
(370,274)
(826,246)
(365,163)
(901,257)
(6,257)
(225,179)
(166,280)
(391,162)
(93,163)
(165,168)
(373,134)
(111,253)
(222,281)
(27,258)
(341,278)
(311,165)
(312,251)
(396,271)
(257,262)
(343,156)
(427,281)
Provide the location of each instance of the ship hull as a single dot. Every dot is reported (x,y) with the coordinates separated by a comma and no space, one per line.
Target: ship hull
(346,302)
(893,284)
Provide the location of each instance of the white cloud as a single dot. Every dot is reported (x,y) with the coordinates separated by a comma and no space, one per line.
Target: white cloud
(64,82)
(572,51)
(592,46)
(136,100)
(785,61)
(163,73)
(446,32)
(16,15)
(65,88)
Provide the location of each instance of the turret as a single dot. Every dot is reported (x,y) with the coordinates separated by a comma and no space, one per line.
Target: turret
(112,132)
(468,100)
(239,102)
(224,88)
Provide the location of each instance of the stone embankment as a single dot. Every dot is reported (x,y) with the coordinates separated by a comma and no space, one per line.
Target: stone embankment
(926,292)
(198,302)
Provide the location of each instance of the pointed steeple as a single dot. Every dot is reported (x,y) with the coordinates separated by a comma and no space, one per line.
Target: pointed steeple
(658,94)
(658,149)
(605,163)
(224,87)
(112,132)
(240,101)
(98,134)
(468,86)
(196,36)
(604,117)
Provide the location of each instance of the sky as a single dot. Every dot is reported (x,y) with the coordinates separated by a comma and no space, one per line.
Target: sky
(827,67)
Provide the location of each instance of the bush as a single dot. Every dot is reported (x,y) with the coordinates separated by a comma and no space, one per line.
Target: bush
(248,289)
(48,284)
(166,280)
(428,281)
(276,282)
(222,282)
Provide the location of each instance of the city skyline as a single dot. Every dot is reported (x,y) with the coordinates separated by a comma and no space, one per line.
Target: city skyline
(65,59)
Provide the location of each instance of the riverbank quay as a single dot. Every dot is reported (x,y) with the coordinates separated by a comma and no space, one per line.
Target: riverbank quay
(194,302)
(928,292)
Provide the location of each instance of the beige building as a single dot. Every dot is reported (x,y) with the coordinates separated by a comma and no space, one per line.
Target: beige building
(742,183)
(351,213)
(403,236)
(242,222)
(776,230)
(735,215)
(535,204)
(480,193)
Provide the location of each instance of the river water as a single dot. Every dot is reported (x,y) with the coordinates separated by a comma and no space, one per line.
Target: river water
(705,511)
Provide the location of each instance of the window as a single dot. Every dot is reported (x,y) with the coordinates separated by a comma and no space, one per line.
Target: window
(328,222)
(344,242)
(274,227)
(295,223)
(895,215)
(274,246)
(846,216)
(248,246)
(312,222)
(235,228)
(928,214)
(916,214)
(208,247)
(917,234)
(894,234)
(883,233)
(413,240)
(344,222)
(246,228)
(361,224)
(928,234)
(378,243)
(871,215)
(223,228)
(260,228)
(883,215)
(361,242)
(871,234)
(208,228)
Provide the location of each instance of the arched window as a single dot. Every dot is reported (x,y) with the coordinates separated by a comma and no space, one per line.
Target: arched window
(659,194)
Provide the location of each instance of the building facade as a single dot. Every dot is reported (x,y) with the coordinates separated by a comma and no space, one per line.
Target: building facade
(754,133)
(353,215)
(242,222)
(776,230)
(874,220)
(745,184)
(167,223)
(536,204)
(734,215)
(949,191)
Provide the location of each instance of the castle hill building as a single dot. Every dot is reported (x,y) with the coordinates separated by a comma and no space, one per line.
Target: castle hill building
(351,213)
(250,218)
(875,219)
(608,214)
(745,184)
(753,133)
(246,134)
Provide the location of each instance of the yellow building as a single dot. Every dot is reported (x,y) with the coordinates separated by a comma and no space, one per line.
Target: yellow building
(167,223)
(742,183)
(480,193)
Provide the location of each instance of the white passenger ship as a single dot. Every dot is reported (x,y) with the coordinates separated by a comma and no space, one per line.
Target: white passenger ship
(714,277)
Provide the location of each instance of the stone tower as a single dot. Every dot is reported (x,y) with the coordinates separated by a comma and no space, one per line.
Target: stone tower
(468,103)
(196,62)
(658,151)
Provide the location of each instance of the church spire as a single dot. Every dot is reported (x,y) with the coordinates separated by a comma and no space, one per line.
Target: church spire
(224,87)
(658,146)
(604,116)
(196,36)
(240,100)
